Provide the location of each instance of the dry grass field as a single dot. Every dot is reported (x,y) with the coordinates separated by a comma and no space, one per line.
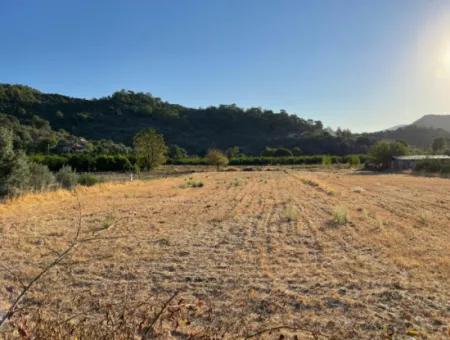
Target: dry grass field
(325,254)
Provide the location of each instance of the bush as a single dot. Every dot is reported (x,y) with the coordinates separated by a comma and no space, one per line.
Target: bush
(354,161)
(41,177)
(53,162)
(85,162)
(434,166)
(81,162)
(327,161)
(14,175)
(89,180)
(192,184)
(217,158)
(66,177)
(340,216)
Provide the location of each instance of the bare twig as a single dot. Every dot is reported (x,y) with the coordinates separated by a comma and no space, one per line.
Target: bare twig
(277,328)
(60,256)
(25,290)
(12,309)
(16,277)
(152,323)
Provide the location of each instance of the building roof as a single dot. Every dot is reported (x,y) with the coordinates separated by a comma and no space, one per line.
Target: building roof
(419,157)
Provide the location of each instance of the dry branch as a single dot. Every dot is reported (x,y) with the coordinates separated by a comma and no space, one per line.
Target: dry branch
(277,328)
(75,242)
(157,316)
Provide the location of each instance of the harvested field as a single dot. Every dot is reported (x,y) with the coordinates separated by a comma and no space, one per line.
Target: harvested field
(246,252)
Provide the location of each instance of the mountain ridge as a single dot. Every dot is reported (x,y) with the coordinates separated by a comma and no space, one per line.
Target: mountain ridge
(436,121)
(122,114)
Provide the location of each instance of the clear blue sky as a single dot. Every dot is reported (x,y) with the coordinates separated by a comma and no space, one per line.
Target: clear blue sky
(359,64)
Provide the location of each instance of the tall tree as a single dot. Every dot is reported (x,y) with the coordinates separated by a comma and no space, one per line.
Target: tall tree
(383,151)
(14,167)
(150,148)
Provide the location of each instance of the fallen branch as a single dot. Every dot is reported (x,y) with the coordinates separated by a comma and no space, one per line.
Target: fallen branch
(75,242)
(25,290)
(157,316)
(277,328)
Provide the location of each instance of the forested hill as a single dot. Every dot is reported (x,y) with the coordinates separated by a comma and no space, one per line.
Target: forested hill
(118,117)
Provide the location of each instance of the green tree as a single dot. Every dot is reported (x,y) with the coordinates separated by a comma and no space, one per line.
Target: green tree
(383,151)
(440,144)
(6,144)
(18,180)
(14,167)
(176,152)
(268,152)
(217,158)
(296,151)
(233,152)
(150,148)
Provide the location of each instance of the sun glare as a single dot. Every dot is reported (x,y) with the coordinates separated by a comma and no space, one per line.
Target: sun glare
(444,65)
(447,59)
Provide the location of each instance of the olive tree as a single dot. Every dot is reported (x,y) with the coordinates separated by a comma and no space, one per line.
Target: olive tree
(150,148)
(217,158)
(14,167)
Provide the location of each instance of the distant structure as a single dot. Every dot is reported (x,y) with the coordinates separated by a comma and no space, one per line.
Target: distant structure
(410,161)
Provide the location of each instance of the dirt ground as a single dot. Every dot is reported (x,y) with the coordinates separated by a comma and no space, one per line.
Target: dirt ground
(256,253)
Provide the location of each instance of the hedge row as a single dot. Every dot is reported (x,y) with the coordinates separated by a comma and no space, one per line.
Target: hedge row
(434,166)
(101,163)
(84,163)
(259,160)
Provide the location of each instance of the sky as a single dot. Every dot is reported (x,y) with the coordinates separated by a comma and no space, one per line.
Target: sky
(357,64)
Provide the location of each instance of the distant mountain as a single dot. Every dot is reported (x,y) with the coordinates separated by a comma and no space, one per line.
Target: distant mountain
(396,127)
(418,136)
(434,121)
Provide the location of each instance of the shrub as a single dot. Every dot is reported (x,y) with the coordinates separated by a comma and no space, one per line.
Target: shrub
(290,213)
(340,216)
(89,179)
(14,175)
(66,177)
(53,162)
(41,177)
(327,160)
(354,161)
(434,166)
(14,171)
(112,163)
(192,184)
(82,162)
(445,169)
(217,158)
